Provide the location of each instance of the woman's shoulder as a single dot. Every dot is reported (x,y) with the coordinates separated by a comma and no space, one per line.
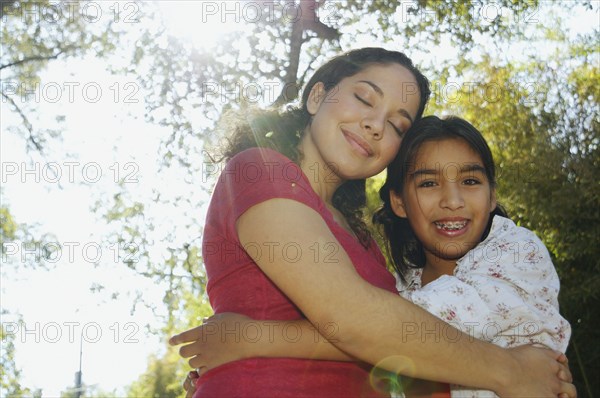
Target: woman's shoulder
(260,156)
(262,165)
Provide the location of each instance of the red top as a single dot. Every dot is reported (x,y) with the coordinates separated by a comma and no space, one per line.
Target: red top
(237,284)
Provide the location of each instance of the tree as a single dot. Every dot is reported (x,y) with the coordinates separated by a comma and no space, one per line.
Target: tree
(162,379)
(35,33)
(166,372)
(188,89)
(543,125)
(14,237)
(10,380)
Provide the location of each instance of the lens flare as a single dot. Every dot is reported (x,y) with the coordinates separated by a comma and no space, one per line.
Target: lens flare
(385,380)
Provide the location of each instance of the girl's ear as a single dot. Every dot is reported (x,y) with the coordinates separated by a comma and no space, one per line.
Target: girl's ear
(315,98)
(397,204)
(493,202)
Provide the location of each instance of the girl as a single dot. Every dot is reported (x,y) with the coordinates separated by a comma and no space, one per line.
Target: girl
(284,240)
(456,253)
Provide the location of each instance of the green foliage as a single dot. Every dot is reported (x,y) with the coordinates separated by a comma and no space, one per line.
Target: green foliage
(10,374)
(433,21)
(15,236)
(12,233)
(8,227)
(165,374)
(87,392)
(35,32)
(541,118)
(162,379)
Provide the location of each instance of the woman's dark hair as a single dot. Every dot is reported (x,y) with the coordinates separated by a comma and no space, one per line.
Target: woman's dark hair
(282,131)
(402,245)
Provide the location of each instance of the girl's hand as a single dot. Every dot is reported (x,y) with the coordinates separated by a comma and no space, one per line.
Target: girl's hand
(537,369)
(189,384)
(217,341)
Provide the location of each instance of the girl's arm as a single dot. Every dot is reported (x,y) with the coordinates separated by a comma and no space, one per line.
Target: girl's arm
(380,327)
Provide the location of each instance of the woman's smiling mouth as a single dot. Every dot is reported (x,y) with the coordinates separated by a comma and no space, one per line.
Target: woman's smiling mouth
(358,143)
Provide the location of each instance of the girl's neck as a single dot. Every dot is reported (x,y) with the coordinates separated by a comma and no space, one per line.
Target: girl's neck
(436,267)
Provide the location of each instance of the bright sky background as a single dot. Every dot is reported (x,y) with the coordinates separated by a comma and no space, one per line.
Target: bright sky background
(57,305)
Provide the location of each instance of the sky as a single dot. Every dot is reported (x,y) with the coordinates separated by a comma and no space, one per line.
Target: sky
(104,137)
(57,305)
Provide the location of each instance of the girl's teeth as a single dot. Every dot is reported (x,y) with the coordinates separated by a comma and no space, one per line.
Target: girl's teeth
(451,225)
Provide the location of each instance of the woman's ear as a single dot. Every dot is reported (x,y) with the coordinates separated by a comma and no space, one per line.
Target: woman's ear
(397,204)
(493,202)
(315,98)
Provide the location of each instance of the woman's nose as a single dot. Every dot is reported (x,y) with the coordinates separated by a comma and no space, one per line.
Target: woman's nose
(373,124)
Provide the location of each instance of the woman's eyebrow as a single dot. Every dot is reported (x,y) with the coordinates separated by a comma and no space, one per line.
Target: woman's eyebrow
(379,91)
(375,87)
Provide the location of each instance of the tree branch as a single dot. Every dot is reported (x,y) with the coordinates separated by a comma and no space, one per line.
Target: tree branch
(34,58)
(28,125)
(308,21)
(6,4)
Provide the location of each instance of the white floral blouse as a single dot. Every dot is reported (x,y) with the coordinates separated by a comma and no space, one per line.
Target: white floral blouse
(504,291)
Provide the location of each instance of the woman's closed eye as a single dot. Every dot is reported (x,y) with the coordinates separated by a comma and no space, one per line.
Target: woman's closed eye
(361,99)
(397,129)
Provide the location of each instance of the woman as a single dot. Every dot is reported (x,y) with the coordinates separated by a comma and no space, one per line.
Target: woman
(284,240)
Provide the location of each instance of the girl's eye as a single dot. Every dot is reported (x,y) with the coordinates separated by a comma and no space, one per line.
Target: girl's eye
(426,184)
(362,100)
(471,181)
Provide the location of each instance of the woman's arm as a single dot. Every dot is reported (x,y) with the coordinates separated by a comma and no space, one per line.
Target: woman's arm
(375,325)
(229,337)
(378,326)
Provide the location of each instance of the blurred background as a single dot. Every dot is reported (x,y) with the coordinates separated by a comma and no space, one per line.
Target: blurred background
(108,116)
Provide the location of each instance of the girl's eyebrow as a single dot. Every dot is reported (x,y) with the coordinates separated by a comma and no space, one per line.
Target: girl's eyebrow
(465,169)
(421,172)
(379,91)
(472,168)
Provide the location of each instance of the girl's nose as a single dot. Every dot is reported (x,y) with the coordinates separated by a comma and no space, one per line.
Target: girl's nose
(452,196)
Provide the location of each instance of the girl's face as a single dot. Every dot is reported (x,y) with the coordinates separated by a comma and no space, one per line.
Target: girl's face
(447,199)
(357,126)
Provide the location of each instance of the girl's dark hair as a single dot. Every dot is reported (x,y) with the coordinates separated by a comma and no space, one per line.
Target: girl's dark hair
(402,245)
(282,131)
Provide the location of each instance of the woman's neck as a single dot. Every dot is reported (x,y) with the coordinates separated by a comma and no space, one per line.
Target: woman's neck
(322,178)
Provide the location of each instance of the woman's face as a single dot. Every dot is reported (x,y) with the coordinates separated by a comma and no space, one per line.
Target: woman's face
(357,126)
